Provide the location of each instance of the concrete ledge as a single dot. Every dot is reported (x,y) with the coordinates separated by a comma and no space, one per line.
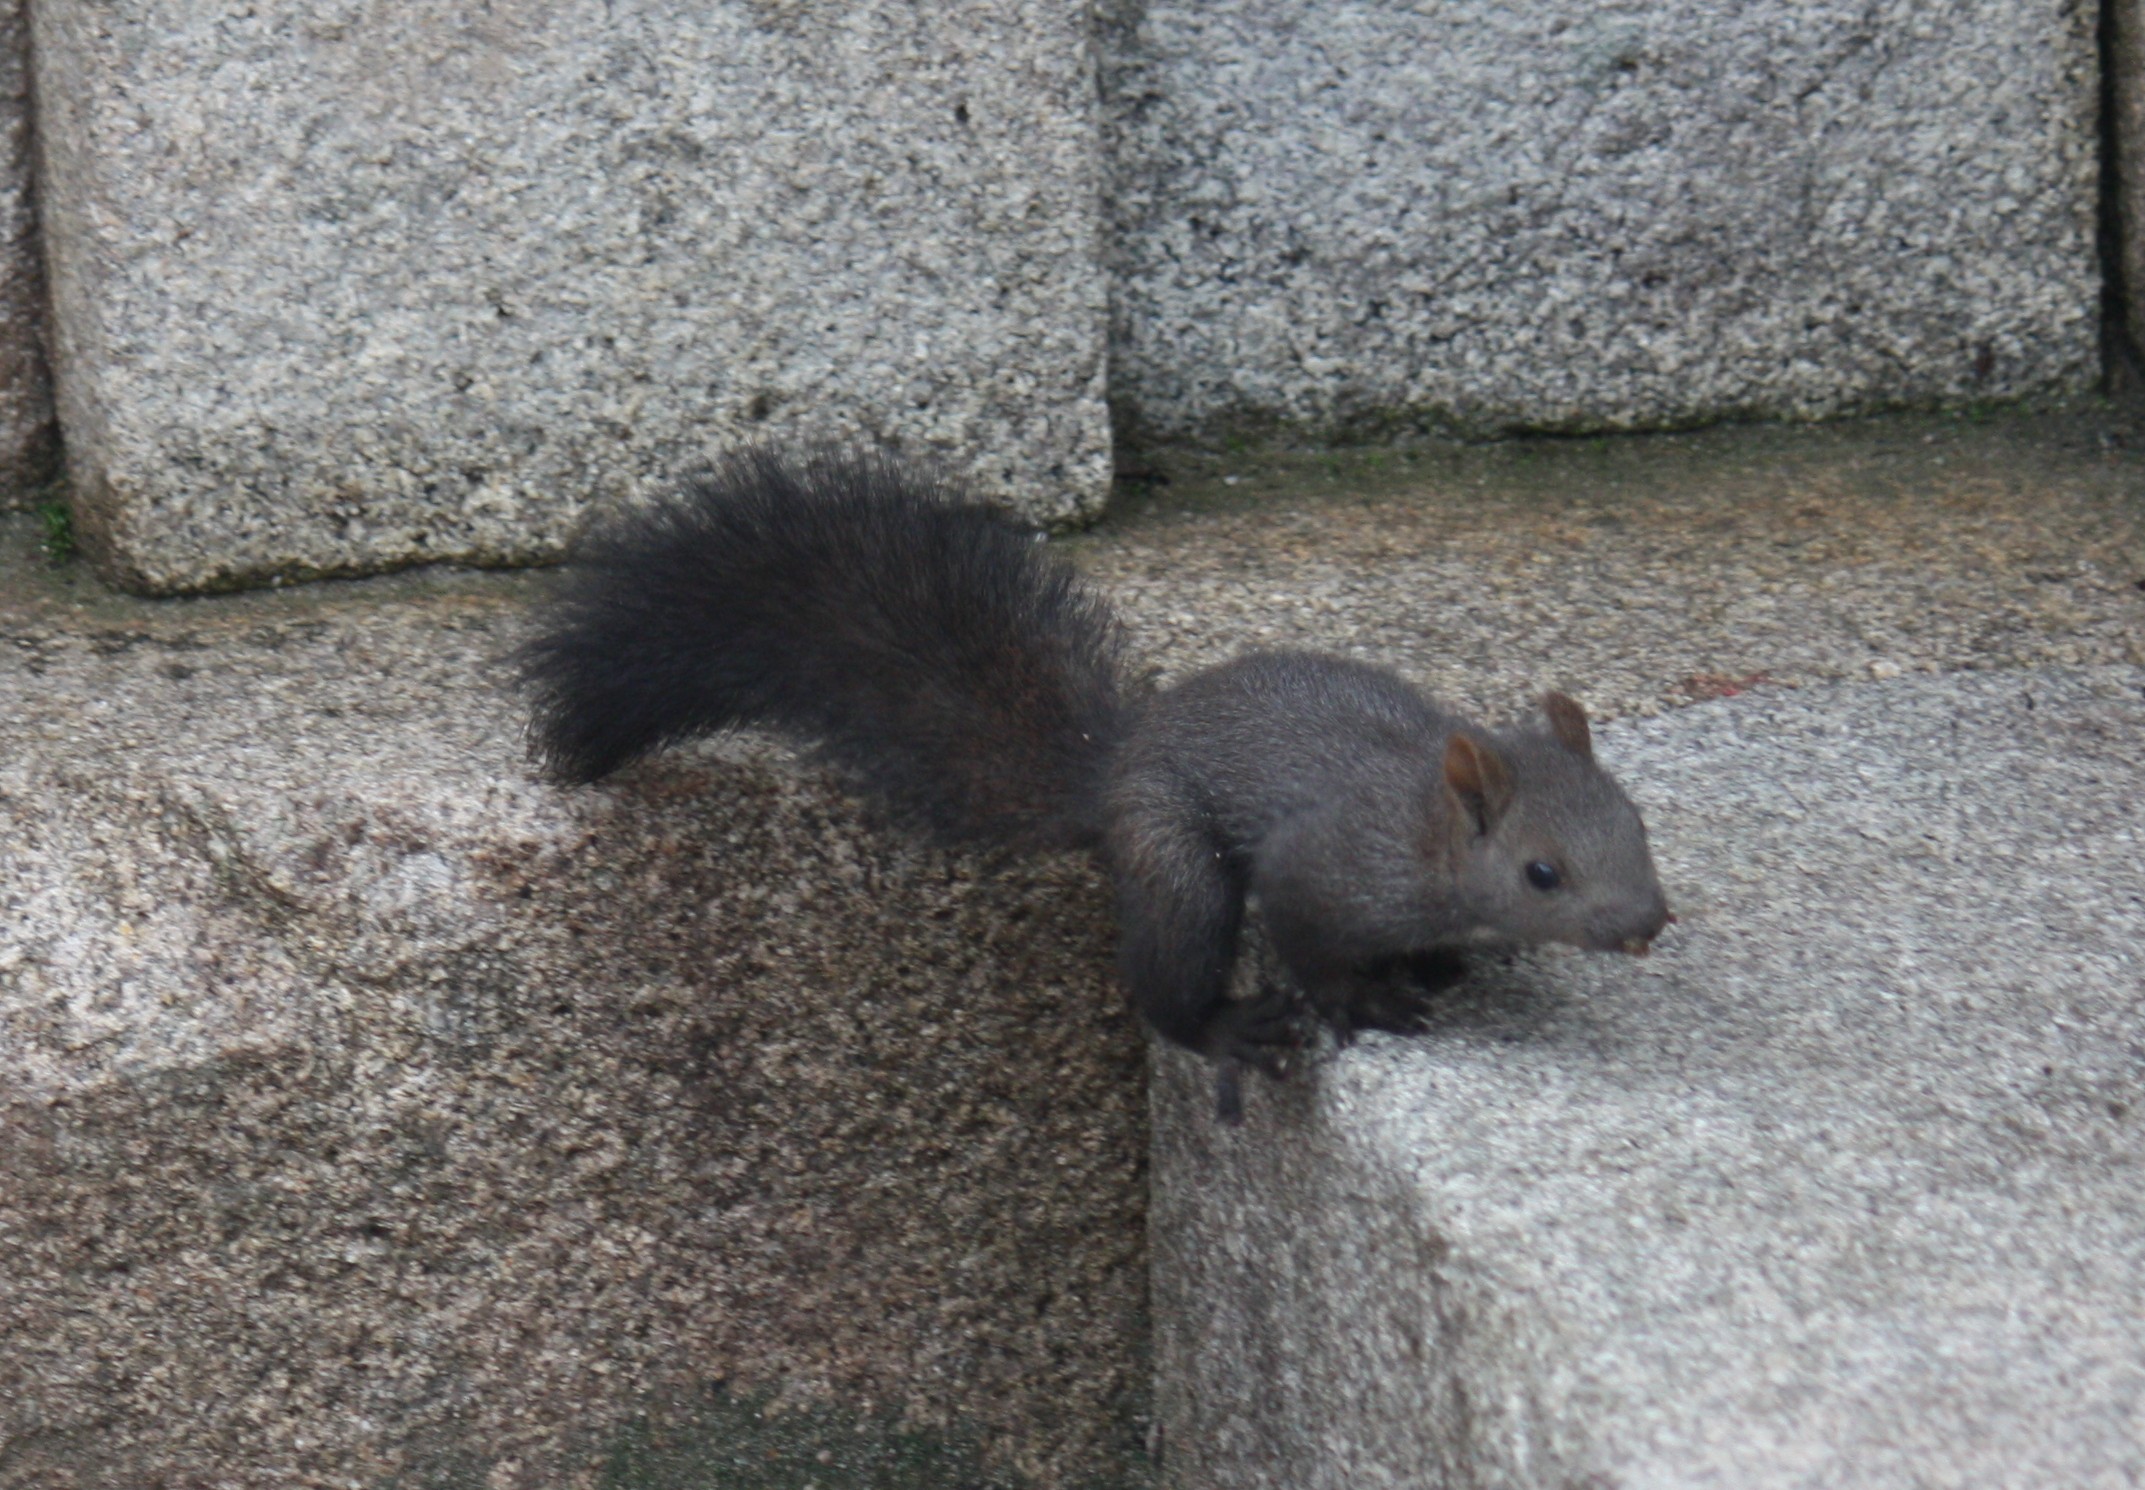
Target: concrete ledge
(1842,1187)
(372,1114)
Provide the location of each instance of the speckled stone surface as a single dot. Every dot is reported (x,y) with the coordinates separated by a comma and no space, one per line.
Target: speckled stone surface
(1844,1186)
(343,288)
(1647,1222)
(372,1114)
(29,438)
(1643,573)
(1374,218)
(328,1153)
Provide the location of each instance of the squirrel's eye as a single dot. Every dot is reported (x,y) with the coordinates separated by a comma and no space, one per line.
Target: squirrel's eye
(1542,876)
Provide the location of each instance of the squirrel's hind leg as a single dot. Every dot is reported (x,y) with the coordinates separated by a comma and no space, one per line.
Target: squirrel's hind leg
(1180,911)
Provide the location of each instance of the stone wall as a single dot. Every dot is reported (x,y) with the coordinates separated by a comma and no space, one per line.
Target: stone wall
(1349,219)
(315,313)
(343,288)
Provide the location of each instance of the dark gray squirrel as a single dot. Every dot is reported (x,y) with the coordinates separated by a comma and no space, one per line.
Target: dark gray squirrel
(963,678)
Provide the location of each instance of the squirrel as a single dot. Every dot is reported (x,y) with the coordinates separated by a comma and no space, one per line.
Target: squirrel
(969,683)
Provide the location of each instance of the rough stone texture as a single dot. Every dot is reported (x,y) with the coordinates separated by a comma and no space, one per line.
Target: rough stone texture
(1845,1186)
(373,1114)
(2123,28)
(1645,573)
(342,287)
(1642,573)
(29,439)
(1364,218)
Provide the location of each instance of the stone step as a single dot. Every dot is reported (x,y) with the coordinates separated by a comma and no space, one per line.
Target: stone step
(371,1110)
(1840,1187)
(373,1113)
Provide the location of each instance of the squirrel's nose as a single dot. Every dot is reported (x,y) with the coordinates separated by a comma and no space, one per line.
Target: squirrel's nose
(1642,943)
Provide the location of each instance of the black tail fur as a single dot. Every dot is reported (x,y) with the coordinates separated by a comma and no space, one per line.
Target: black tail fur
(930,650)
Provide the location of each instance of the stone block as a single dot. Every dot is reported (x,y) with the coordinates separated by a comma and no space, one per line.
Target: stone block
(373,1114)
(342,287)
(1367,219)
(1841,1187)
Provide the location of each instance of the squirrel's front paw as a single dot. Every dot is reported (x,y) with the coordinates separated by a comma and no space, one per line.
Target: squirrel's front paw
(1396,998)
(1395,994)
(1432,970)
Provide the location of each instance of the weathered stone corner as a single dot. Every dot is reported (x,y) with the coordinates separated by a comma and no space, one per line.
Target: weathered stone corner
(372,1108)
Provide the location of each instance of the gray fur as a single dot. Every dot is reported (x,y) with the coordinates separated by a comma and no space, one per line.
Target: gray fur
(970,682)
(1319,787)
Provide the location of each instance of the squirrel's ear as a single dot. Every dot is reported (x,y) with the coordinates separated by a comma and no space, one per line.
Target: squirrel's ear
(1479,779)
(1567,721)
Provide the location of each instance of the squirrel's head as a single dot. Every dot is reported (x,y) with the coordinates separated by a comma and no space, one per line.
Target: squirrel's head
(1546,847)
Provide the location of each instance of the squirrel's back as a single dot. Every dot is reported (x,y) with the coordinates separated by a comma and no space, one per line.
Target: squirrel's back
(960,675)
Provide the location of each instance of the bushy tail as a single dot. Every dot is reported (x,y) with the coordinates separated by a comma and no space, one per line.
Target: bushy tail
(929,649)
